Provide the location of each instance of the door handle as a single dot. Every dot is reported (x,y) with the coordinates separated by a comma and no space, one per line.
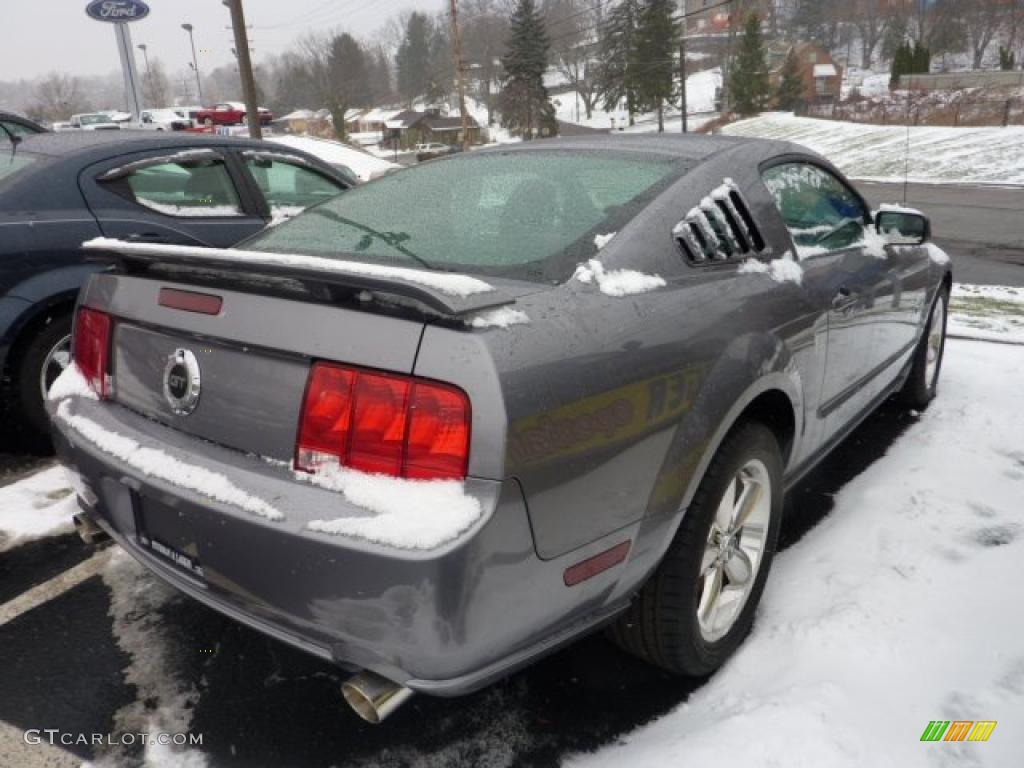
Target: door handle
(146,237)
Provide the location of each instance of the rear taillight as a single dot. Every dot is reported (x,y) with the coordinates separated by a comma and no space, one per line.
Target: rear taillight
(91,348)
(383,423)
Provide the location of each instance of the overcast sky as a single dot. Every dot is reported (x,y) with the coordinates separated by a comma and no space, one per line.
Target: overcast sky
(39,36)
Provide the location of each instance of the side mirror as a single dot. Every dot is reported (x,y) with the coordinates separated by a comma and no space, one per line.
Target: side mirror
(902,226)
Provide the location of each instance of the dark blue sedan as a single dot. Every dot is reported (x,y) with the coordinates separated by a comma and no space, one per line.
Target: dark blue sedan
(60,189)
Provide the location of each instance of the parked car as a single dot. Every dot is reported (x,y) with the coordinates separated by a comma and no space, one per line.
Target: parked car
(94,121)
(17,125)
(61,189)
(474,410)
(230,113)
(430,150)
(163,120)
(358,163)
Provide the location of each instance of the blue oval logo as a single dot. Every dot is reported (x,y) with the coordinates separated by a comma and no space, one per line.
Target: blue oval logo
(117,10)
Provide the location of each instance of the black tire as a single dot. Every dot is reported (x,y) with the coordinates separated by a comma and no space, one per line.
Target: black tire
(661,625)
(30,404)
(921,387)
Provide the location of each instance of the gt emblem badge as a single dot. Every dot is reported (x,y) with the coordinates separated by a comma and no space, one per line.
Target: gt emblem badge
(181,381)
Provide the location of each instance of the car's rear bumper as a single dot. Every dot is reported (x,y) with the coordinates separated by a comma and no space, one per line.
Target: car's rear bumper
(444,621)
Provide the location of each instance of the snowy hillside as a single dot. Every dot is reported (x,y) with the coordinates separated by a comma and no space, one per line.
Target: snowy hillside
(878,152)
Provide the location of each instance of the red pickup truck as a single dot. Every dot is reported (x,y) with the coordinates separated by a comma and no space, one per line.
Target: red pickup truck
(229,113)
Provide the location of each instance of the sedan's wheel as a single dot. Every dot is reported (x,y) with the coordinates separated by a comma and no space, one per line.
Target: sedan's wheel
(699,604)
(923,381)
(207,121)
(45,357)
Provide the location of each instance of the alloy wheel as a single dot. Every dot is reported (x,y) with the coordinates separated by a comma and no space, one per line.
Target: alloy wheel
(734,550)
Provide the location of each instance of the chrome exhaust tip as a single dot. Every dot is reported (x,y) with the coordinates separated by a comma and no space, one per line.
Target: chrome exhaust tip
(373,697)
(88,531)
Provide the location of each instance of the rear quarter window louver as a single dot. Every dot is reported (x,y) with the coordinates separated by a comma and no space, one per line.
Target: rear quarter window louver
(720,229)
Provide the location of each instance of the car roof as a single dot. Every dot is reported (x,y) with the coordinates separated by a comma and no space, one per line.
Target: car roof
(70,143)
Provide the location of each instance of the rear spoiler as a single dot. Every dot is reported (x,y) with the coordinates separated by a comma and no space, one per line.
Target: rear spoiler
(444,292)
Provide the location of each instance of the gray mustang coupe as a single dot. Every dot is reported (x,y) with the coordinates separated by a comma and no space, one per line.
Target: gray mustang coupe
(449,421)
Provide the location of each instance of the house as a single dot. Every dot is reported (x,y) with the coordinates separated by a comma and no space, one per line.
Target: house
(410,127)
(821,76)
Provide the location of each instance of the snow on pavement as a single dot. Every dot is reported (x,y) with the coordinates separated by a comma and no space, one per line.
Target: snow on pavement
(879,152)
(901,607)
(40,505)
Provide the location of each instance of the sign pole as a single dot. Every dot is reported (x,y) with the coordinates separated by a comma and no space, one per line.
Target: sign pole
(132,92)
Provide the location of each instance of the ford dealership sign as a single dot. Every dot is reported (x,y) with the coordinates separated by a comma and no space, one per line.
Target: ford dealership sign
(117,10)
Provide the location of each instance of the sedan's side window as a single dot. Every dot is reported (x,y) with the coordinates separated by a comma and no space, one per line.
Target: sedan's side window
(288,187)
(186,187)
(822,214)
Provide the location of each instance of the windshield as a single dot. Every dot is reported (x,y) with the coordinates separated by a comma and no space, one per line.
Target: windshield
(528,215)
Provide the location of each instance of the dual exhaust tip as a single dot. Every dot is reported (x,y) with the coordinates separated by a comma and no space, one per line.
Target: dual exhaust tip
(372,696)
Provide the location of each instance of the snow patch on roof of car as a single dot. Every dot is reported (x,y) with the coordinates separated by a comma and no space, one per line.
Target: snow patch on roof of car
(444,282)
(161,465)
(617,282)
(407,514)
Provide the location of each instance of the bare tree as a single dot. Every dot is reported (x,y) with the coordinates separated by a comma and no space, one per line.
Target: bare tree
(982,19)
(156,88)
(870,18)
(572,26)
(59,95)
(484,32)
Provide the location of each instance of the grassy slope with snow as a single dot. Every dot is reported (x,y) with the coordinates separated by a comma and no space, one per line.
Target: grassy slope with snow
(878,152)
(901,607)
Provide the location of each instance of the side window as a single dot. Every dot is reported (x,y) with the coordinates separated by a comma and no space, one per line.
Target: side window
(289,188)
(183,187)
(821,213)
(16,128)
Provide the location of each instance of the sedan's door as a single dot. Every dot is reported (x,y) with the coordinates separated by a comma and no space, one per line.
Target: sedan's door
(179,196)
(827,222)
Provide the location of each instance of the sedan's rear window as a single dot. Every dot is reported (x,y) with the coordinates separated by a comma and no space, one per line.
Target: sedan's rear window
(12,163)
(530,215)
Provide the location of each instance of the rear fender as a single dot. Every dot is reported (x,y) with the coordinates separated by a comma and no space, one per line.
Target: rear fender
(752,365)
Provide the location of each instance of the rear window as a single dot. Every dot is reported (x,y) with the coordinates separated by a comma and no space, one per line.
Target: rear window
(528,215)
(11,164)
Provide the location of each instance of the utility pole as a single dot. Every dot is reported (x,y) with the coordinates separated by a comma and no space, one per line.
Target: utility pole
(459,79)
(682,72)
(252,112)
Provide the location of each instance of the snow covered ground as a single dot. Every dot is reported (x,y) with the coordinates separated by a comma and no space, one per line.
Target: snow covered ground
(987,312)
(901,607)
(880,152)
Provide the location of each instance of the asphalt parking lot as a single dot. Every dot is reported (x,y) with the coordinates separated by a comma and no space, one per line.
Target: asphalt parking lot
(116,650)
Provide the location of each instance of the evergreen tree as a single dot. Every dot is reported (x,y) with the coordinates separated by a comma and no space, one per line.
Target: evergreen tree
(900,64)
(748,81)
(618,75)
(657,38)
(921,59)
(441,78)
(349,79)
(1007,59)
(380,78)
(413,59)
(791,84)
(524,103)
